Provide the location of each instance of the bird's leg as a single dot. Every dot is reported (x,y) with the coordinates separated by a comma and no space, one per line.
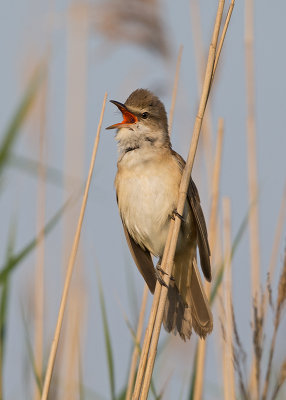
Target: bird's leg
(175,213)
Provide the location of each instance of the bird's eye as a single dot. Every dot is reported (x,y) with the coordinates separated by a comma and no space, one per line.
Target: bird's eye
(145,115)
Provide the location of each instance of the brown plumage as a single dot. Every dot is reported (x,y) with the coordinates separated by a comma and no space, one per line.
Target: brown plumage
(147,185)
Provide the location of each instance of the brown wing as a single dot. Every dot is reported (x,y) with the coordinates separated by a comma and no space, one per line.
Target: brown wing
(143,261)
(204,249)
(195,203)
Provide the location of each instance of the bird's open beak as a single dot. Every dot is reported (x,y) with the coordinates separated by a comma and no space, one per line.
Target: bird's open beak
(128,117)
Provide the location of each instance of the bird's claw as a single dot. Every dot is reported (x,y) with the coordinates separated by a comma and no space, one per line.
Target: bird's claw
(175,213)
(159,269)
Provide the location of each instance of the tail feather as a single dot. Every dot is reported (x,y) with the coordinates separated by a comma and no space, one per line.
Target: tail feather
(187,305)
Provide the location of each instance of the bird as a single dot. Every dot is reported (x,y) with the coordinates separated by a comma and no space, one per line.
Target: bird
(147,184)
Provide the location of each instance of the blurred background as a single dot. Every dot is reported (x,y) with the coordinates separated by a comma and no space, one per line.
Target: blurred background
(58,59)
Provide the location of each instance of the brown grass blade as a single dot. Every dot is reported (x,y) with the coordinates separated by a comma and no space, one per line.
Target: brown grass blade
(71,263)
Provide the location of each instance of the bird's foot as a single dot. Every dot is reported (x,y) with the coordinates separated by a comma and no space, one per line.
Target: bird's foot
(159,269)
(160,279)
(176,214)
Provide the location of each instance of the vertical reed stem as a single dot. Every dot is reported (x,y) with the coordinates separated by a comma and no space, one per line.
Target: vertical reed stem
(71,263)
(175,225)
(137,344)
(252,166)
(212,232)
(229,376)
(40,248)
(175,89)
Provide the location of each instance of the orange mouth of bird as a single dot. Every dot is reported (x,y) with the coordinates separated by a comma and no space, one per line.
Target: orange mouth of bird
(128,117)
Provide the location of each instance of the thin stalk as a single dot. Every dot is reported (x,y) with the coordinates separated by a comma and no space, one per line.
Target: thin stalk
(175,89)
(212,237)
(137,344)
(252,169)
(76,323)
(275,248)
(149,329)
(229,376)
(71,263)
(74,156)
(206,135)
(223,33)
(40,248)
(251,149)
(167,266)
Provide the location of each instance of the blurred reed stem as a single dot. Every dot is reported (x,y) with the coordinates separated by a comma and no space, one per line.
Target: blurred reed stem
(252,167)
(175,89)
(136,350)
(40,246)
(275,250)
(77,36)
(212,238)
(71,263)
(229,377)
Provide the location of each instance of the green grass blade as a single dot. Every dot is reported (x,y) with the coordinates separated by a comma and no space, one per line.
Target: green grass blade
(4,306)
(31,167)
(108,346)
(136,344)
(15,260)
(19,117)
(38,378)
(194,375)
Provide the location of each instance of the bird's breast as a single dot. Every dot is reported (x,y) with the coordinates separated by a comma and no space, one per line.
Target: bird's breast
(147,194)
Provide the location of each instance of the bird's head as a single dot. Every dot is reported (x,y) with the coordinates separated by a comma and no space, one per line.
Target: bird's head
(144,121)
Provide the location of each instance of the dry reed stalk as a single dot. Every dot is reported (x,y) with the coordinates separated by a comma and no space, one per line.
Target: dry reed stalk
(229,377)
(280,381)
(136,351)
(167,263)
(155,303)
(75,133)
(213,226)
(175,89)
(280,305)
(75,113)
(227,20)
(76,322)
(207,144)
(212,232)
(149,329)
(71,263)
(275,249)
(212,236)
(252,167)
(40,248)
(216,184)
(251,148)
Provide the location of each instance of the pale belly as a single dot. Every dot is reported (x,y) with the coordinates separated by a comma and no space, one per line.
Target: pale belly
(147,197)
